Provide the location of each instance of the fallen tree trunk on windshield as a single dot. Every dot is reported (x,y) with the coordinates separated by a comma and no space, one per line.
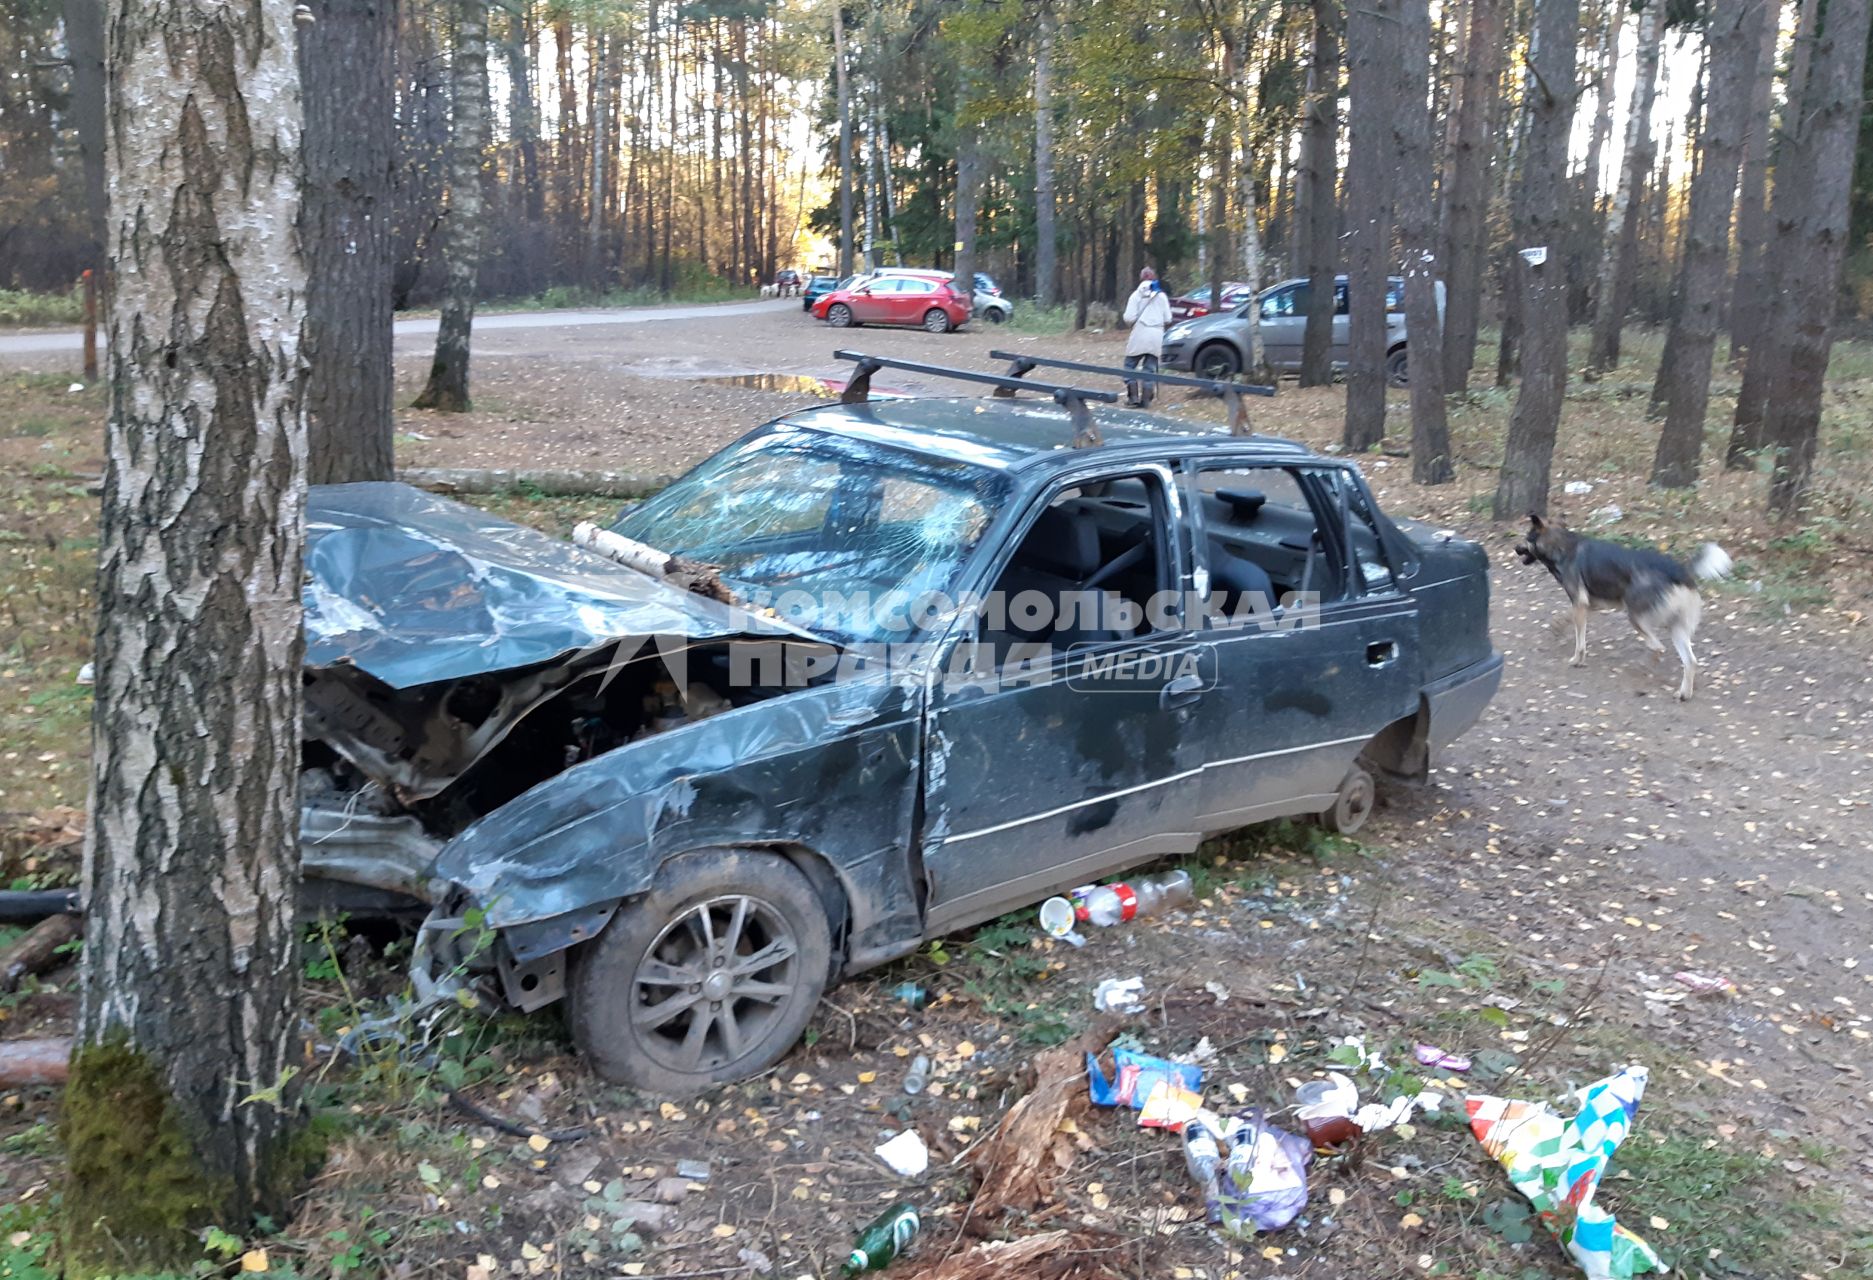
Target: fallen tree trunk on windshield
(548,482)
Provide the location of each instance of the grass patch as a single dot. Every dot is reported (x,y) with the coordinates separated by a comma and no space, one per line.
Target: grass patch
(691,288)
(1051,321)
(17,306)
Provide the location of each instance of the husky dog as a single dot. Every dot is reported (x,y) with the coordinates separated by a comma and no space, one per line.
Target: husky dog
(1658,593)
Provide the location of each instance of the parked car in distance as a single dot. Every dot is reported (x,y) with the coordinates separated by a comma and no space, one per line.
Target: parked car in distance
(612,798)
(818,287)
(1186,306)
(989,303)
(1217,346)
(786,281)
(910,300)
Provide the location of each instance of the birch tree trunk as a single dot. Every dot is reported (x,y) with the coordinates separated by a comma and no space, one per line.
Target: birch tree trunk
(1319,171)
(1466,197)
(1542,285)
(1811,240)
(1371,33)
(1752,201)
(1246,207)
(347,67)
(189,984)
(1733,33)
(1622,219)
(1417,231)
(845,140)
(447,389)
(873,223)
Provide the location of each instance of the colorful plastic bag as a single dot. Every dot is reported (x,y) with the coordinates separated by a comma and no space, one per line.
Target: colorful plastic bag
(1134,1075)
(1264,1182)
(1558,1164)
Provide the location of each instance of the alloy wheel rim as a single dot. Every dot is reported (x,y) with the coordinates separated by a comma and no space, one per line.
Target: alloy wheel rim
(713,983)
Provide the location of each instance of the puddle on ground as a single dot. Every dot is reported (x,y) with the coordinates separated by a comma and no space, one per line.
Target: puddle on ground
(796,383)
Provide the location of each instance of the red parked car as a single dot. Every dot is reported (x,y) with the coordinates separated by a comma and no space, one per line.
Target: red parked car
(925,302)
(1188,306)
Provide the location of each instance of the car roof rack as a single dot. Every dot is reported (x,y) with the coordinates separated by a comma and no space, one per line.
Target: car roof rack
(1231,392)
(1078,400)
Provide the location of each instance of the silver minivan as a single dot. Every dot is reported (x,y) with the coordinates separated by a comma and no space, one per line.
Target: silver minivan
(1217,346)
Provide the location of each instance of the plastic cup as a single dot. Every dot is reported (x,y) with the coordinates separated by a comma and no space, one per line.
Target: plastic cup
(1057,917)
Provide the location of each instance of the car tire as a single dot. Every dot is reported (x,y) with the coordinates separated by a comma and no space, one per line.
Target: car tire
(1353,805)
(1397,369)
(993,316)
(1216,360)
(839,316)
(936,320)
(703,910)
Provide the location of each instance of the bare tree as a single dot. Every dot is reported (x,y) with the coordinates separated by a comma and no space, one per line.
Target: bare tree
(447,388)
(1622,219)
(1319,166)
(1417,233)
(1371,32)
(1752,201)
(347,66)
(189,984)
(1541,208)
(1466,191)
(1732,36)
(1811,240)
(1046,244)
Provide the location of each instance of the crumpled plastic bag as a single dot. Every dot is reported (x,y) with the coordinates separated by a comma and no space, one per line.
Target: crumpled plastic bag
(1557,1164)
(1264,1181)
(1134,1075)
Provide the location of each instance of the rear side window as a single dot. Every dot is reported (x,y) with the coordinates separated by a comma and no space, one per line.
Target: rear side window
(1291,301)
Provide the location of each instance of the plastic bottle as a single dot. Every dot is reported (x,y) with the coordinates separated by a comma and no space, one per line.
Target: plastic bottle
(1203,1157)
(883,1240)
(1109,904)
(918,1076)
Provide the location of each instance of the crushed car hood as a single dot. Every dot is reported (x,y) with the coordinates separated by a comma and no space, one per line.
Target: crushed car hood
(414,589)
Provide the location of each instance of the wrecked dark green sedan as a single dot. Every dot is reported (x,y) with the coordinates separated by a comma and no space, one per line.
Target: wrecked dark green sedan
(877,671)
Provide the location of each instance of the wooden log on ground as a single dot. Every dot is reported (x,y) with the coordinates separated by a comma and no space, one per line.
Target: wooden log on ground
(37,950)
(26,1062)
(549,481)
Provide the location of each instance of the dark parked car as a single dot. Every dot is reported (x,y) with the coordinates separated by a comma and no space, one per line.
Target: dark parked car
(881,671)
(786,281)
(1216,346)
(818,287)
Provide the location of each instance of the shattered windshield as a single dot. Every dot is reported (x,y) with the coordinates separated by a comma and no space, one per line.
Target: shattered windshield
(838,535)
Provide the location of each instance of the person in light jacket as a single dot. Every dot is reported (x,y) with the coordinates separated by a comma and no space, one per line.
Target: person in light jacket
(1147,311)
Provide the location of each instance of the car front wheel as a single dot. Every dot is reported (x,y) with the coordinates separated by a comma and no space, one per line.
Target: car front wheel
(839,316)
(1218,360)
(1397,370)
(936,320)
(993,316)
(708,978)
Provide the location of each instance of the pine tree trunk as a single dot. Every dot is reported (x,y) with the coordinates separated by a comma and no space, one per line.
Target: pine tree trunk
(447,389)
(1466,200)
(1604,82)
(1811,240)
(523,118)
(189,985)
(1752,201)
(598,52)
(1046,241)
(1733,34)
(1417,233)
(1371,35)
(968,209)
(1319,178)
(845,140)
(1542,289)
(1622,221)
(84,42)
(347,67)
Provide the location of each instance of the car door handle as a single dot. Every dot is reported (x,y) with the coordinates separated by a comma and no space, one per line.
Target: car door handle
(1180,692)
(1381,653)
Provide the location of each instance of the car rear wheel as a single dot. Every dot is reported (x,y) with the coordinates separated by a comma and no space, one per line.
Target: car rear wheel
(1397,373)
(1217,360)
(708,978)
(936,320)
(1353,805)
(839,316)
(993,316)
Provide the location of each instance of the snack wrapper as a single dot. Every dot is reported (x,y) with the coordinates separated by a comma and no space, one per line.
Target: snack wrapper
(1135,1075)
(1557,1164)
(1169,1106)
